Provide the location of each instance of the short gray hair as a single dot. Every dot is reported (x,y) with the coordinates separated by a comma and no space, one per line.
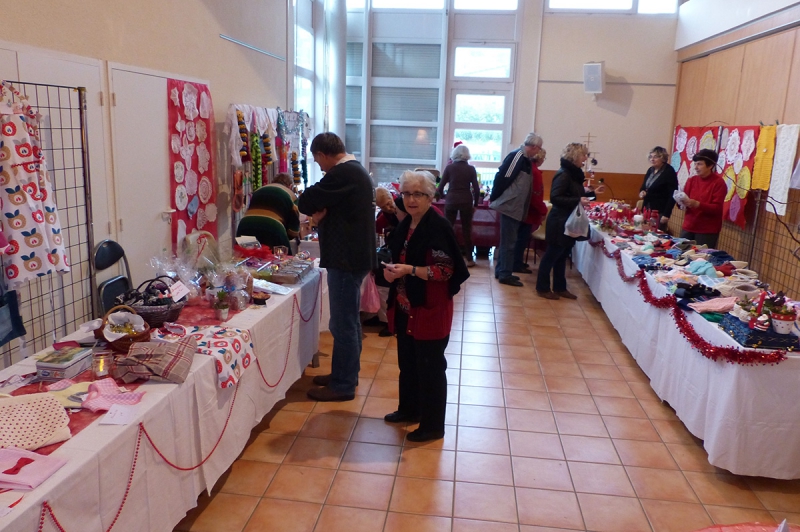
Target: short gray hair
(460,153)
(532,140)
(425,179)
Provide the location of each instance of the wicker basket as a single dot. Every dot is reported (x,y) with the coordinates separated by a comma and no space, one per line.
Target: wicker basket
(122,345)
(156,315)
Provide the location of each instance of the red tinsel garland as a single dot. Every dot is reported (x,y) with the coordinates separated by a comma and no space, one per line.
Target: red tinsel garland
(713,352)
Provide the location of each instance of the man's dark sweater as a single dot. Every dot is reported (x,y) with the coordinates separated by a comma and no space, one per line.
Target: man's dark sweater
(347,232)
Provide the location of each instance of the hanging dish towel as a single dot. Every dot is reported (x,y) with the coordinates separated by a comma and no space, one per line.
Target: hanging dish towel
(785,151)
(765,155)
(29,217)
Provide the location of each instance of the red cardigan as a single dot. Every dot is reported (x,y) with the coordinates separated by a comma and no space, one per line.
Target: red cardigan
(710,192)
(433,320)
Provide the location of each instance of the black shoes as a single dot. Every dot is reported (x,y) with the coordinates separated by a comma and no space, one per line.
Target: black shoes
(420,436)
(524,269)
(511,276)
(374,321)
(511,281)
(566,294)
(322,380)
(325,395)
(400,417)
(385,332)
(548,295)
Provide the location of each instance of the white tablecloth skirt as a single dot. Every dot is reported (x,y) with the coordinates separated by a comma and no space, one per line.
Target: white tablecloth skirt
(747,416)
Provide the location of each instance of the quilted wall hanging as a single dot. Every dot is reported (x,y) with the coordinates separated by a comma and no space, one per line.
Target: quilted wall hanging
(687,142)
(736,159)
(192,184)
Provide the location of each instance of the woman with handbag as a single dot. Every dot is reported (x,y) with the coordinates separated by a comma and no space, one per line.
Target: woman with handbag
(427,270)
(566,193)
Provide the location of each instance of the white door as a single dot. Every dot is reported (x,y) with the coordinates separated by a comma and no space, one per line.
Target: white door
(480,119)
(141,160)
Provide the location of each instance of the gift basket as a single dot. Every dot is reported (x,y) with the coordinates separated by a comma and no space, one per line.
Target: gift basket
(153,301)
(123,331)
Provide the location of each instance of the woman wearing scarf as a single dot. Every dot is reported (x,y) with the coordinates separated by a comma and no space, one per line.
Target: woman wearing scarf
(427,270)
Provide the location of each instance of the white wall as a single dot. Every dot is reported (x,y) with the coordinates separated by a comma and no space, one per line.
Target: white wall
(634,114)
(700,19)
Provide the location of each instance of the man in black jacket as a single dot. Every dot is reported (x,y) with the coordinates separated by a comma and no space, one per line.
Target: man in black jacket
(342,205)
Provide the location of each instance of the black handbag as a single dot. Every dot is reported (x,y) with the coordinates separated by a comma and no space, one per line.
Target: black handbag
(11,325)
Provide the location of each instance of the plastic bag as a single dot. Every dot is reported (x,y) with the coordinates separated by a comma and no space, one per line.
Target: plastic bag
(370,298)
(577,225)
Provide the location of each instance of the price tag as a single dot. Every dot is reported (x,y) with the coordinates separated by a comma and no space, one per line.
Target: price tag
(178,290)
(119,415)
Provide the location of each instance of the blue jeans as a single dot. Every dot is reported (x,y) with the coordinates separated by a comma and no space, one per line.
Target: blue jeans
(555,260)
(509,227)
(523,239)
(345,326)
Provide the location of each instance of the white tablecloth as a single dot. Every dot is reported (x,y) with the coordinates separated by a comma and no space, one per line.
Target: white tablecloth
(185,422)
(747,416)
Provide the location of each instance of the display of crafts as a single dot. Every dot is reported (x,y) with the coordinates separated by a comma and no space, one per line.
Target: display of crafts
(191,119)
(708,281)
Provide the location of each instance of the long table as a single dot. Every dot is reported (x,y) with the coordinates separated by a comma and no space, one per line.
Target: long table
(747,416)
(195,425)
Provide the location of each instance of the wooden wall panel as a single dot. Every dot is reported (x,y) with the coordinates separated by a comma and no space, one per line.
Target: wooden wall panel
(722,88)
(765,79)
(625,186)
(791,113)
(692,83)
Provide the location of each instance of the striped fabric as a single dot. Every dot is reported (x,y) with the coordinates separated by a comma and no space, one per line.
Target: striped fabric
(159,361)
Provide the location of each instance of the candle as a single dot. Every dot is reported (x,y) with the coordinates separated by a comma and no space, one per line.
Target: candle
(101,364)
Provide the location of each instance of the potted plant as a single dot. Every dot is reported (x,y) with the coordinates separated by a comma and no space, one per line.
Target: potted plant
(783,315)
(221,306)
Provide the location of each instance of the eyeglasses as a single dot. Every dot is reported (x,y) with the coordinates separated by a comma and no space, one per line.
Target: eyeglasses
(415,195)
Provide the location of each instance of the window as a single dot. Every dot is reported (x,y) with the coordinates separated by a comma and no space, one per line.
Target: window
(355,4)
(304,49)
(352,108)
(482,62)
(477,108)
(396,60)
(402,103)
(355,54)
(405,4)
(480,5)
(352,139)
(303,94)
(658,6)
(484,145)
(623,6)
(403,142)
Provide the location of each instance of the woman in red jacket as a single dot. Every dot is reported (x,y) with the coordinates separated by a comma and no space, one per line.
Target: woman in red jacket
(706,191)
(536,213)
(427,270)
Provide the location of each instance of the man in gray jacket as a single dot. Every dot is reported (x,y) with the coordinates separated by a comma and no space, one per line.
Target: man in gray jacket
(511,197)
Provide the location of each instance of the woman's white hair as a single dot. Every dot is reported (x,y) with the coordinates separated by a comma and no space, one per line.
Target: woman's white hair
(424,179)
(460,153)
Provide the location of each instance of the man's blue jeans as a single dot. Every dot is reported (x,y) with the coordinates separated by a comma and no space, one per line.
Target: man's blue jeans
(345,300)
(509,228)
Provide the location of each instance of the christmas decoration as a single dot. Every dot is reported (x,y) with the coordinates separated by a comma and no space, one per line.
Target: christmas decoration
(670,302)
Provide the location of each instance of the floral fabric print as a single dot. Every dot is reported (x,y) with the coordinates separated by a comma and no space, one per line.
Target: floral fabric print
(28,213)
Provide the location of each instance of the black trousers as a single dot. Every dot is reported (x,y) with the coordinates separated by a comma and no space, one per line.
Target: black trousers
(554,260)
(423,382)
(709,239)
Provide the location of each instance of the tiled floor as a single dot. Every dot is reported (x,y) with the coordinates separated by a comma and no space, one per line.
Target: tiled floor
(551,425)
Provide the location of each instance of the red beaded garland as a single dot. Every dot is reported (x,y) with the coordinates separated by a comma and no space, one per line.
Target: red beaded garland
(712,352)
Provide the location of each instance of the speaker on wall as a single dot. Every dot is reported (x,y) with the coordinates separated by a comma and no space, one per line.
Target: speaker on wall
(594,77)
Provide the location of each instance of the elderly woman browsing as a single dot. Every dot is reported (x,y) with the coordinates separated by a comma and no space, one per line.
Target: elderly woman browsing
(427,270)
